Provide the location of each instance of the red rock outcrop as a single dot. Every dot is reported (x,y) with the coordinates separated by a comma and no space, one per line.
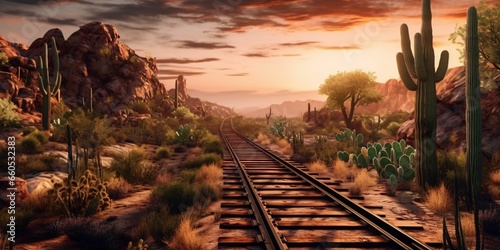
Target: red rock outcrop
(450,133)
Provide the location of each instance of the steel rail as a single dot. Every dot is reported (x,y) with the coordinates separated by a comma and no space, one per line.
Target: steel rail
(269,232)
(396,235)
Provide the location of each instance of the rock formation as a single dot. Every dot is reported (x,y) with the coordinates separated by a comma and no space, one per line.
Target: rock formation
(92,57)
(450,134)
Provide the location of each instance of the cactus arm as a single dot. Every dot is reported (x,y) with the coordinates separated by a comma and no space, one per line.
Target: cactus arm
(404,74)
(420,58)
(407,52)
(443,65)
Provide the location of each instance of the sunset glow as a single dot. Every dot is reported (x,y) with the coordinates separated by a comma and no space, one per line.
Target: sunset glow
(262,46)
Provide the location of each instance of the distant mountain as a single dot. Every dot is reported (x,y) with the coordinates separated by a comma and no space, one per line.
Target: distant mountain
(288,109)
(251,100)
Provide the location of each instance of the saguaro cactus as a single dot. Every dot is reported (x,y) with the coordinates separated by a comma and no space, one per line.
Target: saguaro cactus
(421,68)
(473,114)
(176,94)
(308,112)
(268,116)
(48,85)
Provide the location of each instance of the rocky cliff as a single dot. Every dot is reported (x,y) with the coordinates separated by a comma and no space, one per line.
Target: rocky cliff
(395,97)
(450,133)
(92,57)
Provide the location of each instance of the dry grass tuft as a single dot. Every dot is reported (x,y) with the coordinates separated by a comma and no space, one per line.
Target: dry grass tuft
(196,150)
(468,227)
(163,179)
(118,188)
(186,237)
(361,182)
(340,169)
(318,167)
(209,174)
(263,139)
(438,200)
(285,147)
(495,177)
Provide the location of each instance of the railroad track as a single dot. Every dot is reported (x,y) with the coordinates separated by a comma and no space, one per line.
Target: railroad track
(269,203)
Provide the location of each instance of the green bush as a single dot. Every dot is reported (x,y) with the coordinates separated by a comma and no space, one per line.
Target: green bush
(393,128)
(8,115)
(163,153)
(212,145)
(30,145)
(40,136)
(141,108)
(4,59)
(162,225)
(398,117)
(204,159)
(449,163)
(177,196)
(188,175)
(132,169)
(35,164)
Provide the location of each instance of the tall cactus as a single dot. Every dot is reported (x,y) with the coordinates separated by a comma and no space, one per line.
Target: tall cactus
(176,94)
(48,85)
(308,112)
(421,68)
(268,116)
(473,114)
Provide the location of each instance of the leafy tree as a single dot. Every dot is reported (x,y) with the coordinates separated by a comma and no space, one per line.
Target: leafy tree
(354,88)
(489,42)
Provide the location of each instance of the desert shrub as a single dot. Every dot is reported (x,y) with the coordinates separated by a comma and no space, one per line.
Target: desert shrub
(318,167)
(8,115)
(188,175)
(164,230)
(82,197)
(35,164)
(132,168)
(393,128)
(210,174)
(27,130)
(204,159)
(211,123)
(163,153)
(184,115)
(42,203)
(439,200)
(150,130)
(186,237)
(162,179)
(4,59)
(361,182)
(451,166)
(495,177)
(206,193)
(30,145)
(398,117)
(118,188)
(213,145)
(340,169)
(263,139)
(40,136)
(177,196)
(490,219)
(90,233)
(141,108)
(24,215)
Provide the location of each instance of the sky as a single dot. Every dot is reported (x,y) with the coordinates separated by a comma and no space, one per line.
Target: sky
(248,45)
